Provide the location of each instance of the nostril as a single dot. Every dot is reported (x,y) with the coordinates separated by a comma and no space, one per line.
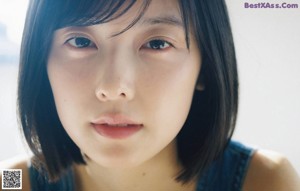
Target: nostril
(105,95)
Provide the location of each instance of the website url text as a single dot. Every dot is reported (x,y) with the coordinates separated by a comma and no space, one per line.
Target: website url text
(270,6)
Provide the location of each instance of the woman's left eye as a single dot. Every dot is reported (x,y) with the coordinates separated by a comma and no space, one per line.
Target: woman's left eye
(80,42)
(157,44)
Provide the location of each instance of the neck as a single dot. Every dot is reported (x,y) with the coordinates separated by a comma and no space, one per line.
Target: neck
(158,174)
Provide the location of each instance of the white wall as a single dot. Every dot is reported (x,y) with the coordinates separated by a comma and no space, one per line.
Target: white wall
(10,139)
(268,51)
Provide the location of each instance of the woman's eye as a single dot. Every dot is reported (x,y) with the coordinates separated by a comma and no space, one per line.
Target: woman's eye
(157,45)
(80,42)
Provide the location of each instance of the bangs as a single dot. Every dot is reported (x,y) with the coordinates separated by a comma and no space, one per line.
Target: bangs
(92,12)
(83,13)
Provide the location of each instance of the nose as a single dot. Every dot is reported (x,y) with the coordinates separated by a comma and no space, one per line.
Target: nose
(112,93)
(115,80)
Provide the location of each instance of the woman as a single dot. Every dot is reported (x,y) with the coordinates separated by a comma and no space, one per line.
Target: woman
(135,95)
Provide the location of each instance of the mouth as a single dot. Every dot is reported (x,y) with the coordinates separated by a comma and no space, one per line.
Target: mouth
(116,126)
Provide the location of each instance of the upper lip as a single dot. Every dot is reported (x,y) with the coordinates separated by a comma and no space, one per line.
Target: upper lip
(115,119)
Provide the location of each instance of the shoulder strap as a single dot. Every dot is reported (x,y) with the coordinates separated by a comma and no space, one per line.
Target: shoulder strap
(228,172)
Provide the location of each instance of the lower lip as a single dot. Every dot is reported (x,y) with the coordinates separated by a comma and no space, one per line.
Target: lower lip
(116,132)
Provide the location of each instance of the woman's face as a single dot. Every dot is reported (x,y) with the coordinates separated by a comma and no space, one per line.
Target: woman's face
(123,99)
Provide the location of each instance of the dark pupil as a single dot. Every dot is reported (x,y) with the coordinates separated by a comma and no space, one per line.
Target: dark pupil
(82,42)
(157,44)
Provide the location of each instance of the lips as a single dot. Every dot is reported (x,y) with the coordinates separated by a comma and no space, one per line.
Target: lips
(116,126)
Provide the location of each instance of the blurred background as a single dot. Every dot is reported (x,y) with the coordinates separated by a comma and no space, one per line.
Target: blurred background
(268,51)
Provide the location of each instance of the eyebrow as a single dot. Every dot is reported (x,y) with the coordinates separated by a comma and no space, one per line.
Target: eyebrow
(168,20)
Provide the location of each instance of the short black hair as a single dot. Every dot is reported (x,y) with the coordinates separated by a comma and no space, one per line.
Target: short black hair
(211,120)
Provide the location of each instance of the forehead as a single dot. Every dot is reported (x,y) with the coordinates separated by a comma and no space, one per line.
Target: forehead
(158,12)
(91,12)
(155,7)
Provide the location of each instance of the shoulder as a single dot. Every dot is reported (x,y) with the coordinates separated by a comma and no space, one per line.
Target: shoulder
(269,170)
(19,162)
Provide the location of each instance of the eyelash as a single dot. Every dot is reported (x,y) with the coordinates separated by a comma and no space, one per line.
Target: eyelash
(157,47)
(87,43)
(84,42)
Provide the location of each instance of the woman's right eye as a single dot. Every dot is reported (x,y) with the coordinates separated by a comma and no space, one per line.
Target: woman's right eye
(80,42)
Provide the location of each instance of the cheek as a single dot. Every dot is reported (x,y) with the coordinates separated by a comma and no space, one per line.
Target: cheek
(169,94)
(71,87)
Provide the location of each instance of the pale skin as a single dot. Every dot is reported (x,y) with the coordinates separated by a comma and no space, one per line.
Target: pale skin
(267,171)
(136,74)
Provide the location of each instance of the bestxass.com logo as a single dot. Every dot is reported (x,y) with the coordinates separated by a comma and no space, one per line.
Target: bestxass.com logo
(270,5)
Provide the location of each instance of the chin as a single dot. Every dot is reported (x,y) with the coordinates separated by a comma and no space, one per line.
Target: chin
(119,164)
(116,161)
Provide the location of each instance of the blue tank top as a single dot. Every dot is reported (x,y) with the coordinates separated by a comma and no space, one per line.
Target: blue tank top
(226,174)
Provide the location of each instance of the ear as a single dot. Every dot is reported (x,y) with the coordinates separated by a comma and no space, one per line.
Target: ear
(200,87)
(200,83)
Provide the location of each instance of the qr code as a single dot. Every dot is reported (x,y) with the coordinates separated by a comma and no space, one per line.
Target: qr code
(11,179)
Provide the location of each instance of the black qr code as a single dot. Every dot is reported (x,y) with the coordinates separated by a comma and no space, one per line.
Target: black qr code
(11,179)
